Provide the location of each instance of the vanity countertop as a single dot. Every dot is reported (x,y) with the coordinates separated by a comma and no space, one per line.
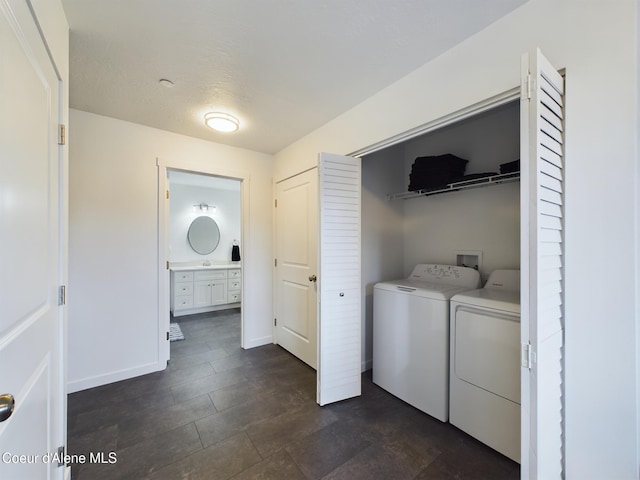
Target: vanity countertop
(224,266)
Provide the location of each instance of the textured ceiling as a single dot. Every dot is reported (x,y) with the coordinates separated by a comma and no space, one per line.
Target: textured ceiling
(283,67)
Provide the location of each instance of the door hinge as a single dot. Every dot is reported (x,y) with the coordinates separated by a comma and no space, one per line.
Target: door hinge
(167,194)
(526,356)
(167,264)
(61,456)
(62,134)
(275,262)
(276,203)
(275,322)
(527,88)
(62,295)
(167,335)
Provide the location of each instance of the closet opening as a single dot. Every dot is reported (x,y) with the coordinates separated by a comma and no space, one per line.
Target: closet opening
(474,215)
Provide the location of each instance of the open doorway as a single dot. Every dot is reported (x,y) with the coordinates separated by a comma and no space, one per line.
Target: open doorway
(203,229)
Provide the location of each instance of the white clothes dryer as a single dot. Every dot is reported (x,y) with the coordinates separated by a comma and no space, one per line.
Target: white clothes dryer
(411,334)
(485,363)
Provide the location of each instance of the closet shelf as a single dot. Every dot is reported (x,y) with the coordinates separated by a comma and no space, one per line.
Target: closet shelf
(457,186)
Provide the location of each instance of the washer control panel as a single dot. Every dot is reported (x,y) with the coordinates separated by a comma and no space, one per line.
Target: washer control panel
(449,274)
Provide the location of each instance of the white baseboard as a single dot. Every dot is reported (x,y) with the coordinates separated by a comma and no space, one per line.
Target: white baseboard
(366,365)
(111,377)
(258,342)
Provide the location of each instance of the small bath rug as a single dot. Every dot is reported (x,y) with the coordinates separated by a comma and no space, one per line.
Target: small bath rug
(175,333)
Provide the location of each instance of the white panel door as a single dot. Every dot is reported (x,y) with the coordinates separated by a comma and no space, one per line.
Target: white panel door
(296,217)
(31,322)
(340,279)
(542,194)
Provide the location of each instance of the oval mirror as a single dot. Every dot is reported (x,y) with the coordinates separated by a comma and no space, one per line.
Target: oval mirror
(203,235)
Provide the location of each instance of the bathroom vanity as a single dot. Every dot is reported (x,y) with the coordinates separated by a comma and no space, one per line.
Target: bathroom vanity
(198,289)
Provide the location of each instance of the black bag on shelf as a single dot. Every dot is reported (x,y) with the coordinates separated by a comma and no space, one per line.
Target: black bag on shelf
(510,167)
(429,173)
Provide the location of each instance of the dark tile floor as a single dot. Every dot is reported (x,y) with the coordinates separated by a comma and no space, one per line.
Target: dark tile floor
(219,412)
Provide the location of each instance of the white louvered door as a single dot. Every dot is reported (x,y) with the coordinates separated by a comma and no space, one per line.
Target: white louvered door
(339,325)
(542,335)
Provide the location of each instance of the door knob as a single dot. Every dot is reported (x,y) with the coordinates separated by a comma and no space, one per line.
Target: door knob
(312,278)
(7,404)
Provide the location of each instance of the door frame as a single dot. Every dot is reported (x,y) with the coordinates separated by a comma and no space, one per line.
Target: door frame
(164,276)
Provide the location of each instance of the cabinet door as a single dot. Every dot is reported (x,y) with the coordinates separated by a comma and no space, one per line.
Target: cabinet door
(202,293)
(218,292)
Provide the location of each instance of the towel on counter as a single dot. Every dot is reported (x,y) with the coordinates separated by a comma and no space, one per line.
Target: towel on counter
(235,253)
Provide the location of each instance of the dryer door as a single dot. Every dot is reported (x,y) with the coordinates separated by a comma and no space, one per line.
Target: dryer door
(487,351)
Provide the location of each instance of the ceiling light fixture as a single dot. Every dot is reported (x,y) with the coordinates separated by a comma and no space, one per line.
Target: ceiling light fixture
(166,83)
(222,122)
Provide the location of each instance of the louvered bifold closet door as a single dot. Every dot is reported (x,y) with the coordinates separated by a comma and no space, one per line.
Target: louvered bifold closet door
(542,209)
(339,322)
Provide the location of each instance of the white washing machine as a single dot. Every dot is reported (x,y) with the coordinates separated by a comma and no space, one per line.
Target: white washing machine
(411,334)
(485,363)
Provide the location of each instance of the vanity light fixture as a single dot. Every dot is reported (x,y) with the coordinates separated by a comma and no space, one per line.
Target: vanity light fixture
(204,207)
(221,122)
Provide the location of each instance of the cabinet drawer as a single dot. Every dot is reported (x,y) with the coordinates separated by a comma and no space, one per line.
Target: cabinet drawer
(233,297)
(234,273)
(211,275)
(233,284)
(183,301)
(182,276)
(183,288)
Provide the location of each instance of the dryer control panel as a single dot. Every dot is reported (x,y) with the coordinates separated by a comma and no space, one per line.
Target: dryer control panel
(449,274)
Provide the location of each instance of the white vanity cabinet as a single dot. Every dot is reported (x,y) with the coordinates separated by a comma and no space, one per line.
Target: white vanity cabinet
(233,285)
(204,289)
(209,288)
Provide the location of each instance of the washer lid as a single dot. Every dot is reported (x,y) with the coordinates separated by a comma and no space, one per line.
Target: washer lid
(505,300)
(433,290)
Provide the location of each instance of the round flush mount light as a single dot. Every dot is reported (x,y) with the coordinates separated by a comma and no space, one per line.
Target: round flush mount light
(166,83)
(221,122)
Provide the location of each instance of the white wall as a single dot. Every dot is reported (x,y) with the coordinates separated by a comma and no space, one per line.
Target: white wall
(113,265)
(595,42)
(485,219)
(227,215)
(382,232)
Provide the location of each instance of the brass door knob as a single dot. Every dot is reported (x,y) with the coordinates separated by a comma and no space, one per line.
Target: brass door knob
(313,278)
